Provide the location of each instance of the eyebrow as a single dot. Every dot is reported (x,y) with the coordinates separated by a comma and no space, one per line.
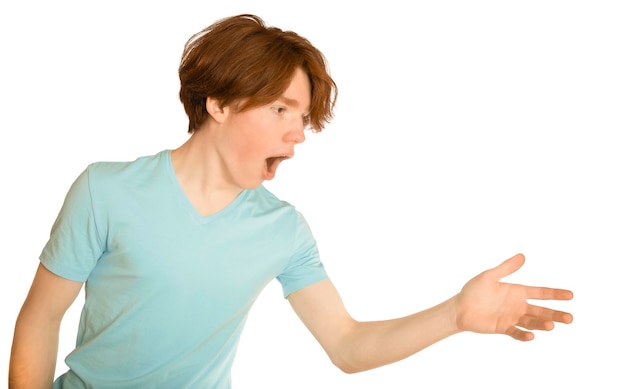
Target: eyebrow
(289,101)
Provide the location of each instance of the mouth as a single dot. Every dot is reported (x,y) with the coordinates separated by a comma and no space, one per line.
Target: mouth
(271,164)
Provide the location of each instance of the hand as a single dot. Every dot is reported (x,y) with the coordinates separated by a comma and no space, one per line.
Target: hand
(486,305)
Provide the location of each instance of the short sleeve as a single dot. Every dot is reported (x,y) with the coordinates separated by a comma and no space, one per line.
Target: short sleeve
(305,267)
(75,244)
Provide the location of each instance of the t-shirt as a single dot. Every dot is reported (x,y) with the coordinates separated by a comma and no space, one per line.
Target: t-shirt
(168,290)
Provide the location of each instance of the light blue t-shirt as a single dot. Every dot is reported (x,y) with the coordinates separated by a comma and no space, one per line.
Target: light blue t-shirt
(167,290)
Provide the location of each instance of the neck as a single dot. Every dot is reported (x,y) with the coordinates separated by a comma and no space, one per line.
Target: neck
(197,168)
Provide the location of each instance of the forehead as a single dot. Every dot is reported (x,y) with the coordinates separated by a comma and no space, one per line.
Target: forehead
(298,93)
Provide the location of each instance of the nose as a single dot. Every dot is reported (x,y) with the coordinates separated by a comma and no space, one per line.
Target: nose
(296,133)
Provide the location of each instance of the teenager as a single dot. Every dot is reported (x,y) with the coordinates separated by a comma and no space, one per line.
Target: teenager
(174,248)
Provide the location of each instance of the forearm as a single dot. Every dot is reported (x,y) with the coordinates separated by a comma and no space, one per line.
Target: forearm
(34,353)
(372,344)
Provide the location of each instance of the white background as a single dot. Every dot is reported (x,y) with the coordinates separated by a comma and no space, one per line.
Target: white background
(465,132)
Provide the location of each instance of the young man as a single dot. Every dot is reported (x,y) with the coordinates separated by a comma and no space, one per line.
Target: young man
(175,247)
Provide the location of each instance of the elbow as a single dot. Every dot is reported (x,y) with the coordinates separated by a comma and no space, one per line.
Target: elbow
(347,366)
(349,352)
(350,357)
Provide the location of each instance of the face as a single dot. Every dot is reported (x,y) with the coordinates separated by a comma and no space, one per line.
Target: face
(251,144)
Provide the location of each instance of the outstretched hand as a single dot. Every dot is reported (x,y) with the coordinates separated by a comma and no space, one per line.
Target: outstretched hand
(486,305)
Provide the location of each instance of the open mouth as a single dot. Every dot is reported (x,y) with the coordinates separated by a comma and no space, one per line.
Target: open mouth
(271,164)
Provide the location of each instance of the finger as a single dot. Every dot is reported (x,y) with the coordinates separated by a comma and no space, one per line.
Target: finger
(519,334)
(509,266)
(534,323)
(548,314)
(543,293)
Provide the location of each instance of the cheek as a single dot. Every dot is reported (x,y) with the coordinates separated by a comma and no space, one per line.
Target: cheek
(248,148)
(250,139)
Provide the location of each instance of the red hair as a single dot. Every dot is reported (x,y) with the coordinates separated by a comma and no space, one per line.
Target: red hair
(240,59)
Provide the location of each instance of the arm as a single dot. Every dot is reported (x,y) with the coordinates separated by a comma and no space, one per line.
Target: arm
(36,337)
(484,305)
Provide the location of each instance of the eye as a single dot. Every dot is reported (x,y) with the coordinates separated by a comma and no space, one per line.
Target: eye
(279,110)
(306,120)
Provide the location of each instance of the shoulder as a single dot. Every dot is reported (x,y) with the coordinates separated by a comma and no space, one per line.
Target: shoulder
(266,199)
(112,168)
(266,202)
(110,172)
(277,211)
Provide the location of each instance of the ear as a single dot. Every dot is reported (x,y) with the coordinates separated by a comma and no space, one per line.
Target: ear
(215,110)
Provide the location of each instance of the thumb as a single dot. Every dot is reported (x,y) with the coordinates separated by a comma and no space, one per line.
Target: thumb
(509,266)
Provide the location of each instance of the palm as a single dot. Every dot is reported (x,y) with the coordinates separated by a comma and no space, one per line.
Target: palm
(486,305)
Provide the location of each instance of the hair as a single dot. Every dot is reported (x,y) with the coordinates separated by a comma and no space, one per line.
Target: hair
(243,63)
